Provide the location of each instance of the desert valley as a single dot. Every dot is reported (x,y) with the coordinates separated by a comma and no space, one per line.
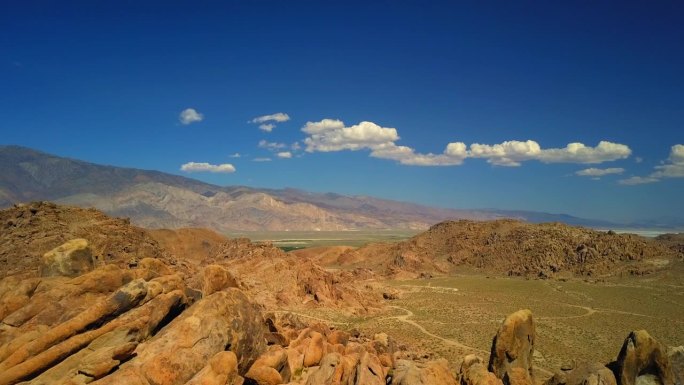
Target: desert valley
(341,192)
(90,298)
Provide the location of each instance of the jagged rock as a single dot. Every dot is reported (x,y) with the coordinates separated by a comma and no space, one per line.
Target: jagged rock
(40,353)
(641,355)
(584,373)
(220,321)
(431,373)
(216,278)
(474,372)
(69,259)
(222,369)
(95,361)
(513,347)
(119,302)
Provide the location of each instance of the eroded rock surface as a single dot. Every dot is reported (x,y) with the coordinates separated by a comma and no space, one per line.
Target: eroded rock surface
(513,348)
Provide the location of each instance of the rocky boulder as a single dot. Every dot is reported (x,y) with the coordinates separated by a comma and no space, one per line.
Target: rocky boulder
(224,320)
(642,355)
(473,371)
(584,373)
(69,259)
(513,347)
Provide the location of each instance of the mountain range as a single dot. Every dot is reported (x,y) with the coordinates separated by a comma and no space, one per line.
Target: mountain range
(155,199)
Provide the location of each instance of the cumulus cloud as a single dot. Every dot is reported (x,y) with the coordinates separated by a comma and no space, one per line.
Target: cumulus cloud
(236,155)
(190,115)
(261,159)
(284,154)
(207,167)
(333,135)
(267,127)
(263,121)
(271,145)
(295,146)
(512,153)
(673,167)
(599,172)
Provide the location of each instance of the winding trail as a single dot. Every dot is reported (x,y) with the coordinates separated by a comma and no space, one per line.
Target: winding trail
(405,318)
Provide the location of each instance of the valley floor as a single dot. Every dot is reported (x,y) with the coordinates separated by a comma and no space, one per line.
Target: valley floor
(576,320)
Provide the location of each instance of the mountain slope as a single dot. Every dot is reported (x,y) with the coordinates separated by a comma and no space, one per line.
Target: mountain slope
(158,200)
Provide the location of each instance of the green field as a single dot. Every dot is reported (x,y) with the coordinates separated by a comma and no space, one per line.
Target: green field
(290,240)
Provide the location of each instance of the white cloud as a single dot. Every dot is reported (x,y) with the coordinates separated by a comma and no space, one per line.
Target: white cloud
(599,172)
(278,117)
(267,127)
(236,155)
(638,180)
(511,153)
(190,115)
(408,156)
(271,145)
(207,167)
(673,167)
(333,135)
(295,146)
(261,159)
(638,159)
(284,155)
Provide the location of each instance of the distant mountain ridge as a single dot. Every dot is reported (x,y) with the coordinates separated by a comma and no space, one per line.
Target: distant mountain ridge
(155,199)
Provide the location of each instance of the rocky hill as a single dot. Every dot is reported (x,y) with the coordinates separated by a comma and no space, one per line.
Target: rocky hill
(154,199)
(31,230)
(514,248)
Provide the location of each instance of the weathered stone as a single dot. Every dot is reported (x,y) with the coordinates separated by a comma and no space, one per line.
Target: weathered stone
(676,356)
(69,259)
(141,321)
(431,373)
(217,278)
(513,347)
(267,369)
(474,372)
(329,372)
(225,319)
(369,370)
(221,369)
(314,352)
(119,302)
(584,373)
(640,355)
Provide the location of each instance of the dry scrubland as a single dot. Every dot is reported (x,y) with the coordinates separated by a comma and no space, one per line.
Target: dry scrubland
(454,316)
(96,296)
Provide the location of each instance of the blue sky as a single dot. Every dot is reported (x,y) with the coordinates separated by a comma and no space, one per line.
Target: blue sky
(107,82)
